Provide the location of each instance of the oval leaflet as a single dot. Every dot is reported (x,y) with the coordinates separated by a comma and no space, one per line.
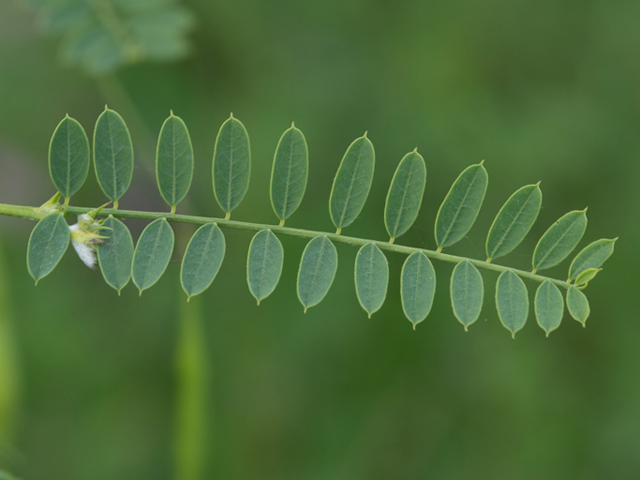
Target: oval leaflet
(264,264)
(467,293)
(318,268)
(174,160)
(152,254)
(69,156)
(512,301)
(47,244)
(202,259)
(549,306)
(371,277)
(115,254)
(417,287)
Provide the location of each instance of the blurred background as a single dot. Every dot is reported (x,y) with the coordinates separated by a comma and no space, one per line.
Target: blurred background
(96,386)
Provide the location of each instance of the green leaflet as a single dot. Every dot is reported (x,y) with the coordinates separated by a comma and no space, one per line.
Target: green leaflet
(405,194)
(69,156)
(467,293)
(585,277)
(372,278)
(592,256)
(152,254)
(578,305)
(514,220)
(202,259)
(560,240)
(549,306)
(112,154)
(174,161)
(289,173)
(47,244)
(417,287)
(460,207)
(116,253)
(512,301)
(231,164)
(352,183)
(318,268)
(264,264)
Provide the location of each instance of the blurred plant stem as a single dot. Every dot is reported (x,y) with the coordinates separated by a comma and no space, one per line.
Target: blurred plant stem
(191,372)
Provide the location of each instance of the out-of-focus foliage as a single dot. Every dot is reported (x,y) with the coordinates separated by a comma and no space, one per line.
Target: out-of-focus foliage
(104,35)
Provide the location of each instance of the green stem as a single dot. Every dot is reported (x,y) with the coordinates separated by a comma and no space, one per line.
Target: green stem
(31,212)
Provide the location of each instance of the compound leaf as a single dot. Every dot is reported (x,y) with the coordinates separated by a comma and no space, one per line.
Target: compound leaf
(231,164)
(318,268)
(460,207)
(174,160)
(592,256)
(352,182)
(47,244)
(112,154)
(405,194)
(289,173)
(69,156)
(578,305)
(514,220)
(152,254)
(549,306)
(372,277)
(467,293)
(560,240)
(264,264)
(202,259)
(417,287)
(512,301)
(115,255)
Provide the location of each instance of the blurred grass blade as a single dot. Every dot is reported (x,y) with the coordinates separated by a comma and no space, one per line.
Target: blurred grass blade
(152,254)
(578,305)
(112,154)
(514,220)
(231,164)
(585,277)
(549,306)
(318,268)
(47,244)
(512,301)
(69,156)
(264,264)
(174,160)
(560,240)
(405,194)
(467,293)
(202,259)
(289,173)
(115,255)
(592,256)
(352,182)
(372,277)
(460,207)
(417,287)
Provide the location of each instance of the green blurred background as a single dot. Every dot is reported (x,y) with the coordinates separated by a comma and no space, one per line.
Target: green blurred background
(96,386)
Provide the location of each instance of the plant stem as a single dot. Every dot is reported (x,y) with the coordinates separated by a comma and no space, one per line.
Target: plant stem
(31,212)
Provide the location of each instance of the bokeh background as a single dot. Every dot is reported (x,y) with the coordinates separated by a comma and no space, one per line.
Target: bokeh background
(96,386)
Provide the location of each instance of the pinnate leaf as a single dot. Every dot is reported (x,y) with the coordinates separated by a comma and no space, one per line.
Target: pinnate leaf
(372,277)
(231,164)
(405,194)
(115,254)
(512,301)
(352,182)
(174,160)
(560,240)
(549,306)
(318,268)
(514,220)
(202,259)
(460,207)
(417,287)
(264,264)
(152,254)
(113,154)
(47,244)
(467,293)
(592,256)
(578,305)
(69,156)
(290,172)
